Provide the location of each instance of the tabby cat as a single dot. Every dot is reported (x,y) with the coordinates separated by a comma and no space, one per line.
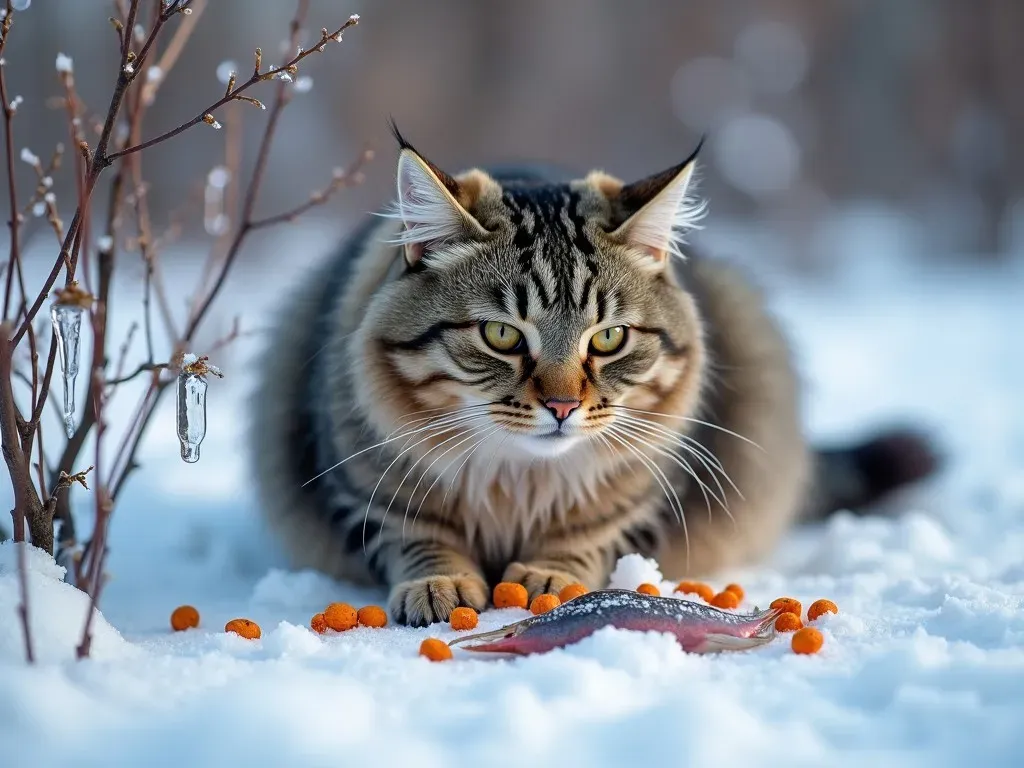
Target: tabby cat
(511,377)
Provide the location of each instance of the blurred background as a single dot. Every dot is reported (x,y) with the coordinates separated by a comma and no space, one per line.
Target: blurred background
(905,118)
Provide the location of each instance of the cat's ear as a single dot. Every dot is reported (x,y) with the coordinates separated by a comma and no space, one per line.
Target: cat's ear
(651,214)
(428,205)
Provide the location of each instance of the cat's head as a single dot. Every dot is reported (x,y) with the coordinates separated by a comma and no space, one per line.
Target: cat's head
(533,312)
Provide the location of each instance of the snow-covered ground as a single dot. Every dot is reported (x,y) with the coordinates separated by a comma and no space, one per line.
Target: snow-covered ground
(923,666)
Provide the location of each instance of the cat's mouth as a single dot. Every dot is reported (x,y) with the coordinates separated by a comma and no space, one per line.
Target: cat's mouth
(547,444)
(554,434)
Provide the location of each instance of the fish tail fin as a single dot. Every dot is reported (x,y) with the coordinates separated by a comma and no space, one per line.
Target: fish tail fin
(713,643)
(763,634)
(766,622)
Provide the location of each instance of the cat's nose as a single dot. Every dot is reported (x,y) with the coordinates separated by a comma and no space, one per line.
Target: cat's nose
(561,409)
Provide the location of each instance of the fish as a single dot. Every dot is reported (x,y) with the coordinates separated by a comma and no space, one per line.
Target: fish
(698,628)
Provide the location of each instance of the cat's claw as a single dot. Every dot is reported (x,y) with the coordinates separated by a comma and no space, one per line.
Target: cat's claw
(538,580)
(420,602)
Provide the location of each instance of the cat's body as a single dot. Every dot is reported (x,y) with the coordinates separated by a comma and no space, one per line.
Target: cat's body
(534,366)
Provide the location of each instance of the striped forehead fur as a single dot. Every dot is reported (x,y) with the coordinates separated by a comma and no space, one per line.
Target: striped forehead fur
(430,212)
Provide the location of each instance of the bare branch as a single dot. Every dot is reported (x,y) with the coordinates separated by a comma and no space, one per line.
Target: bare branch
(342,178)
(284,72)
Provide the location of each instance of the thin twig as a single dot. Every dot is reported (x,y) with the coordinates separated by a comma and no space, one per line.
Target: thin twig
(142,368)
(14,257)
(349,177)
(233,94)
(25,498)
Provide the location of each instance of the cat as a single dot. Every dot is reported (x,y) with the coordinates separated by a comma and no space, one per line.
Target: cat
(505,376)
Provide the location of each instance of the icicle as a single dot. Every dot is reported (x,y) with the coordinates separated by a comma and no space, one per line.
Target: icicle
(191,404)
(66,315)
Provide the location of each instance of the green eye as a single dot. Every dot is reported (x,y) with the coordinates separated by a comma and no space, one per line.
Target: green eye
(609,341)
(501,337)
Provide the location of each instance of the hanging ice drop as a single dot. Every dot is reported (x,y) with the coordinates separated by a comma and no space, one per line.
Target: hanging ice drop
(66,316)
(191,414)
(191,405)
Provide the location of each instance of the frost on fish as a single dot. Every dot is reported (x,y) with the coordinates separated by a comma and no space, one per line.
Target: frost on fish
(66,316)
(191,404)
(697,627)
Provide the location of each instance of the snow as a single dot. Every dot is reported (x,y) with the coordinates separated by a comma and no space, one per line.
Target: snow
(28,156)
(65,63)
(923,665)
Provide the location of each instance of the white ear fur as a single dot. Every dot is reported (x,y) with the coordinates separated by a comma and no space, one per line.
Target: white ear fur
(659,225)
(429,211)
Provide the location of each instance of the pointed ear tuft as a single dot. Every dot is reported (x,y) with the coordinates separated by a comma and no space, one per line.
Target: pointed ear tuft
(653,213)
(427,204)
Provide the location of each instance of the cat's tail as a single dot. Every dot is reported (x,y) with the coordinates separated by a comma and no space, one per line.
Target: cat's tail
(855,477)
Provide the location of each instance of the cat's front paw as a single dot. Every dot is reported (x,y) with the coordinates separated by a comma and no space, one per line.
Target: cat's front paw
(420,602)
(539,580)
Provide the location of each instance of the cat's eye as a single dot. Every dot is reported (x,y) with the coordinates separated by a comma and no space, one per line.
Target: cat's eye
(609,341)
(502,337)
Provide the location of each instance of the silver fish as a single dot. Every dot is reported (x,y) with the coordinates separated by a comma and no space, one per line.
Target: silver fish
(697,627)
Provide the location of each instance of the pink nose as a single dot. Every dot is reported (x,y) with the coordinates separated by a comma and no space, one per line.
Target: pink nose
(561,409)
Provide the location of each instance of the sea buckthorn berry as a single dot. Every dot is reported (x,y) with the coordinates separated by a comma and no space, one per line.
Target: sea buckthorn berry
(571,591)
(725,600)
(463,618)
(649,589)
(788,622)
(703,591)
(788,604)
(184,617)
(250,630)
(807,640)
(318,624)
(435,650)
(544,603)
(736,589)
(372,616)
(340,616)
(509,594)
(820,608)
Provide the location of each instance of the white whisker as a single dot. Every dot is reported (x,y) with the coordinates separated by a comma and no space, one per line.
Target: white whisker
(461,431)
(678,461)
(692,421)
(369,504)
(659,476)
(441,474)
(418,430)
(653,429)
(472,433)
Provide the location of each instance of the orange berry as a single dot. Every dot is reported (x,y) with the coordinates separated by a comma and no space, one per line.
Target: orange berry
(463,618)
(340,616)
(703,591)
(372,616)
(571,591)
(508,594)
(788,604)
(736,589)
(318,624)
(725,600)
(821,607)
(649,589)
(250,630)
(544,603)
(788,622)
(184,617)
(807,640)
(435,650)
